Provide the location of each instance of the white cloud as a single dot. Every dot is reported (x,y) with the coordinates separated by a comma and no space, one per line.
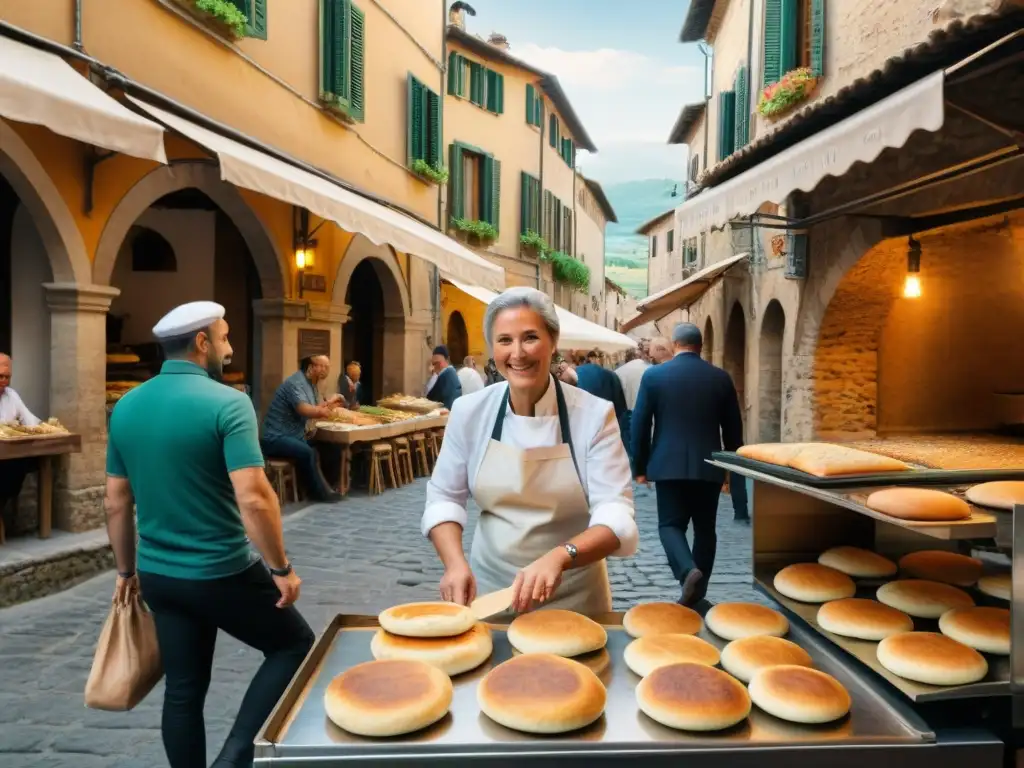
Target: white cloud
(628,103)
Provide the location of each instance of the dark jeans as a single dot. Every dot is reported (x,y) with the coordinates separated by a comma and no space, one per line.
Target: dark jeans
(624,425)
(188,614)
(738,492)
(12,477)
(304,456)
(679,503)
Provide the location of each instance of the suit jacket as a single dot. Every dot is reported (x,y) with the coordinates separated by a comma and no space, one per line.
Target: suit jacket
(602,383)
(446,388)
(695,412)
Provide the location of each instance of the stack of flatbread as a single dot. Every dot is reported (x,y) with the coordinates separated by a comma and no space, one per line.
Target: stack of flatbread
(822,459)
(445,635)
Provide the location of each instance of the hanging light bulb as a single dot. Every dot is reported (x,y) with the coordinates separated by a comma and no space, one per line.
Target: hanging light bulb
(912,282)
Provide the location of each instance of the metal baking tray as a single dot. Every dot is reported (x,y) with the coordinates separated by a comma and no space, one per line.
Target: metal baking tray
(298,733)
(916,476)
(996,683)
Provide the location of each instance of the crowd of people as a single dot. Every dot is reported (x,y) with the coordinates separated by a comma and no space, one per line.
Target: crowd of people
(550,448)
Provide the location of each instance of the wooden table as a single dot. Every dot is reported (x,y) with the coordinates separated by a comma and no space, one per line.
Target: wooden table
(328,432)
(45,449)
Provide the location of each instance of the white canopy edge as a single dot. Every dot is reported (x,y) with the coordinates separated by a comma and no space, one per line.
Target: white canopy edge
(257,171)
(831,152)
(575,332)
(41,88)
(683,294)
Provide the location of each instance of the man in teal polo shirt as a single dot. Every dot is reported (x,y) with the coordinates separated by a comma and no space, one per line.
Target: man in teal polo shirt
(184,448)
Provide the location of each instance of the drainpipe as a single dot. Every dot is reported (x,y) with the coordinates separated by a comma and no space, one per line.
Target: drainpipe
(435,274)
(78,26)
(704,49)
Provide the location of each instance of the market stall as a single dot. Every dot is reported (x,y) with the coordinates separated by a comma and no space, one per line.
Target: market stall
(44,443)
(888,719)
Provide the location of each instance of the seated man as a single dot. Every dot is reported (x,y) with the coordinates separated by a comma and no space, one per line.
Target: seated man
(444,385)
(12,408)
(350,388)
(284,428)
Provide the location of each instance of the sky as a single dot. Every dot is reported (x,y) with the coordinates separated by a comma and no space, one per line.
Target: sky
(621,65)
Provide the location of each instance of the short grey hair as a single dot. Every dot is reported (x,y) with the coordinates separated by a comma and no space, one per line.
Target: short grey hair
(687,335)
(522,296)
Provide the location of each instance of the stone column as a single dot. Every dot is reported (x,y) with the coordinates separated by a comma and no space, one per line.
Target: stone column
(78,345)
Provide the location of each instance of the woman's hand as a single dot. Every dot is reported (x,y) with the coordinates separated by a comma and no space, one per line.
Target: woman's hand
(537,582)
(126,589)
(458,585)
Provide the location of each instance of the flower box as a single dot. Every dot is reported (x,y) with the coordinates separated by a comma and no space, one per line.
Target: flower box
(780,98)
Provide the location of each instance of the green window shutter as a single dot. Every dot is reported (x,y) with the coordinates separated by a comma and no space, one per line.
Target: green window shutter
(726,123)
(496,96)
(789,56)
(671,240)
(256,13)
(535,205)
(818,37)
(453,73)
(357,65)
(464,79)
(741,118)
(553,131)
(334,25)
(531,102)
(432,142)
(524,200)
(495,194)
(455,203)
(771,52)
(546,217)
(476,83)
(416,121)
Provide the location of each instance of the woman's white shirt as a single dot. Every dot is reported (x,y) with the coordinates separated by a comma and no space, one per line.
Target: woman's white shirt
(603,464)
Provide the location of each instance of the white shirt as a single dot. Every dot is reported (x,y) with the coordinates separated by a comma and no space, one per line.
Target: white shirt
(604,467)
(12,408)
(470,380)
(430,384)
(630,375)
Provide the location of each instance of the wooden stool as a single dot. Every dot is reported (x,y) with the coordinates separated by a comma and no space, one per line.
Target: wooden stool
(383,455)
(282,472)
(434,443)
(421,464)
(403,456)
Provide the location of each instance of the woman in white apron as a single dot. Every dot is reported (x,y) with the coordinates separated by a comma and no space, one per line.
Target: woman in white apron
(545,462)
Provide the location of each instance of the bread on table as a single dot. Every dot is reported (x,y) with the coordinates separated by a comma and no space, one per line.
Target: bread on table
(556,631)
(996,585)
(742,658)
(931,658)
(731,621)
(984,629)
(452,655)
(693,697)
(923,599)
(858,563)
(919,504)
(863,619)
(822,459)
(940,565)
(813,583)
(660,619)
(427,619)
(1001,494)
(648,653)
(799,694)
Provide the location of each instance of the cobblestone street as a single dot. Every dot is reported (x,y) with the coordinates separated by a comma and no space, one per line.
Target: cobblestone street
(357,557)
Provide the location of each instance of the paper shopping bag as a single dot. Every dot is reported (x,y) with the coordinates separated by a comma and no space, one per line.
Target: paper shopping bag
(127,661)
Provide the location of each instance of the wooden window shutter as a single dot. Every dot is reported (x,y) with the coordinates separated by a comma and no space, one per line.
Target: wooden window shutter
(256,12)
(538,111)
(670,240)
(454,69)
(476,83)
(546,225)
(741,119)
(495,192)
(416,100)
(531,102)
(495,92)
(524,200)
(553,130)
(357,65)
(726,123)
(789,56)
(455,202)
(535,206)
(818,37)
(333,51)
(433,125)
(771,56)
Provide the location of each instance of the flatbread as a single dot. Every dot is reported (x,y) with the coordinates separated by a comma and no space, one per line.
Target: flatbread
(822,459)
(693,697)
(1001,494)
(556,631)
(648,653)
(661,619)
(427,619)
(920,504)
(452,655)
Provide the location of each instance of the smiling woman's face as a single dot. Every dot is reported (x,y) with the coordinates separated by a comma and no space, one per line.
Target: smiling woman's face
(523,348)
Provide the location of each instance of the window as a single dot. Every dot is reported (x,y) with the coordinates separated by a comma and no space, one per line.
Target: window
(534,106)
(694,167)
(568,152)
(424,129)
(794,36)
(553,131)
(475,185)
(472,80)
(654,246)
(342,58)
(741,118)
(256,15)
(726,123)
(557,224)
(670,241)
(529,204)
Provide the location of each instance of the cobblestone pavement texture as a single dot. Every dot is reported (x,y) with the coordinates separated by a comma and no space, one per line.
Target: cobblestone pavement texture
(359,557)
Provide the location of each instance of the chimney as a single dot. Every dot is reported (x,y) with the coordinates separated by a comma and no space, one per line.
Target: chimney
(499,41)
(457,16)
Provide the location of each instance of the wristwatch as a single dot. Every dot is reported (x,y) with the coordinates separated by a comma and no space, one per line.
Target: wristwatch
(281,571)
(571,549)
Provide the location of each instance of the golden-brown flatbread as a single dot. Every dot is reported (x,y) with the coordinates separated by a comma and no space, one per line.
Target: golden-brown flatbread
(822,459)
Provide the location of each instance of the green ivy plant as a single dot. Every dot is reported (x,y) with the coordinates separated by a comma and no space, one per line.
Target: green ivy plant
(226,13)
(484,231)
(566,269)
(435,173)
(794,87)
(534,241)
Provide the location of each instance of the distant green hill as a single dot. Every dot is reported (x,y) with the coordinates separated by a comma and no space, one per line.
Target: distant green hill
(635,202)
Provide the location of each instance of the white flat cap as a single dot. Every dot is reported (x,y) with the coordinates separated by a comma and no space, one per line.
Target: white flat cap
(188,318)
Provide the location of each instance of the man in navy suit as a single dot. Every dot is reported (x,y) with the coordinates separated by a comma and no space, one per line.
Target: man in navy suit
(445,385)
(694,408)
(592,377)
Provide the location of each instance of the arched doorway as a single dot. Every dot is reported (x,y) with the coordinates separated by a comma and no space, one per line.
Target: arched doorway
(363,335)
(457,338)
(181,248)
(708,352)
(773,328)
(735,353)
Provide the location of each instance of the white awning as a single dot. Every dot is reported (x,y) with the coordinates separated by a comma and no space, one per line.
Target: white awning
(259,172)
(681,295)
(42,89)
(575,332)
(831,152)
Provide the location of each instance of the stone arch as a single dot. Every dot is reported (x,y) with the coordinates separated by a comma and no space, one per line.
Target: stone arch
(385,263)
(205,177)
(770,352)
(457,338)
(69,260)
(734,353)
(708,353)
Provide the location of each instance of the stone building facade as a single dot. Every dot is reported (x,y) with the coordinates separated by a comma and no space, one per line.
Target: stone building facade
(814,326)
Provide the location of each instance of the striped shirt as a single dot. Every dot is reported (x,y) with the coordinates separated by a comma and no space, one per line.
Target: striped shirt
(282,419)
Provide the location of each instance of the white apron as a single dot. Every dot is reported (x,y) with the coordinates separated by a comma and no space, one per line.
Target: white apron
(533,501)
